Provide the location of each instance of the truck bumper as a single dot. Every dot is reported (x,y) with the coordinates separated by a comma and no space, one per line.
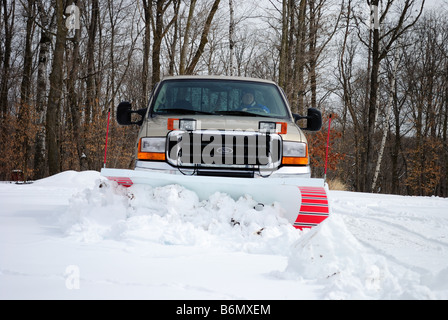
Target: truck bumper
(282,172)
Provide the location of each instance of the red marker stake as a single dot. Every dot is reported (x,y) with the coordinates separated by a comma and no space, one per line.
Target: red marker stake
(328,143)
(107,135)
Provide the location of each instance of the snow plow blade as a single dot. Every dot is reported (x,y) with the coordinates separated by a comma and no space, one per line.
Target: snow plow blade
(304,199)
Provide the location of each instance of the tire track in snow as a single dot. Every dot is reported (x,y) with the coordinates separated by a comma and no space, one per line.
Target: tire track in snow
(396,229)
(395,242)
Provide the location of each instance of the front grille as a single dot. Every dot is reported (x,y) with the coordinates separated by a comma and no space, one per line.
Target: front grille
(223,149)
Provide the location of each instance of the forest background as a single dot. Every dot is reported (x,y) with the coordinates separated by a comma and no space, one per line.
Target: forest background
(379,67)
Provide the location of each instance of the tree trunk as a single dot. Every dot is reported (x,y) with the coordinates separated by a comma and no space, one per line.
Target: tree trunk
(231,39)
(299,61)
(386,129)
(396,149)
(41,91)
(25,87)
(283,46)
(173,44)
(444,192)
(8,21)
(54,98)
(147,8)
(90,80)
(313,53)
(204,40)
(73,101)
(91,91)
(112,53)
(157,41)
(378,54)
(25,90)
(186,40)
(370,132)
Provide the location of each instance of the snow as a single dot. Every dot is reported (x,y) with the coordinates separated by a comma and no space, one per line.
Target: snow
(76,236)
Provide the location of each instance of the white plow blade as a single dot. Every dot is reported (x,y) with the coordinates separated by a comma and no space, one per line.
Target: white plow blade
(304,200)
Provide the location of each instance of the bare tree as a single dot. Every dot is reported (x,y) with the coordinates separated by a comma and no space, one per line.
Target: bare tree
(147,15)
(284,44)
(186,38)
(25,87)
(8,27)
(386,129)
(159,31)
(200,50)
(231,38)
(54,99)
(41,90)
(388,37)
(322,28)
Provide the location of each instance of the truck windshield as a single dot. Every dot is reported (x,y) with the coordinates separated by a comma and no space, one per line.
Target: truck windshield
(220,97)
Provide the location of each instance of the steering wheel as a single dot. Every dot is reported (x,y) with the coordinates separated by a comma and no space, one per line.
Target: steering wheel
(257,110)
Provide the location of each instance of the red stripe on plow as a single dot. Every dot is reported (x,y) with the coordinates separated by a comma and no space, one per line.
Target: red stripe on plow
(319,190)
(313,194)
(314,207)
(308,220)
(314,201)
(122,181)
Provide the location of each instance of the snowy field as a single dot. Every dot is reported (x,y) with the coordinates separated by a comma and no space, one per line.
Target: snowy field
(74,236)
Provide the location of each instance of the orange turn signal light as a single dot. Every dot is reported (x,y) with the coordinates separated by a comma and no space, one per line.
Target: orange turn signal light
(154,156)
(295,161)
(283,127)
(170,124)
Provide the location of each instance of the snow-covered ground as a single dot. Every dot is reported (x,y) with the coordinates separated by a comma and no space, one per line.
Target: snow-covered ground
(73,236)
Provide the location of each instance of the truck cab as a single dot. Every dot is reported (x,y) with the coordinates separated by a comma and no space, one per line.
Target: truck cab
(220,126)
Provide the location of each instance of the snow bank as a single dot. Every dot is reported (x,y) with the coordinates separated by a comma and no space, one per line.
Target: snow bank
(69,179)
(331,255)
(365,250)
(173,215)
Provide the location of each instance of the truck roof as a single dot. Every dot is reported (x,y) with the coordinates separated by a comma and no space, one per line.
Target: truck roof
(216,77)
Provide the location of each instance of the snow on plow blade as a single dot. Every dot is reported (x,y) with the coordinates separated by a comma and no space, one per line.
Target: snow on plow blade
(304,200)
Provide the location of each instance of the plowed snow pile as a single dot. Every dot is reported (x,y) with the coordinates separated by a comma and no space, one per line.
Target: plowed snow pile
(77,236)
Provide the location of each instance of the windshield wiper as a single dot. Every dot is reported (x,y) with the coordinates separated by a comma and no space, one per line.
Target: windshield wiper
(242,113)
(182,111)
(222,112)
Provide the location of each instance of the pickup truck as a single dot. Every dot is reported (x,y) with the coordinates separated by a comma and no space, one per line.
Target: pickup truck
(220,126)
(230,135)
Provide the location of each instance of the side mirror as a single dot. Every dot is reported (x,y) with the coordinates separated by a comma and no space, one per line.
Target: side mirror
(314,120)
(124,112)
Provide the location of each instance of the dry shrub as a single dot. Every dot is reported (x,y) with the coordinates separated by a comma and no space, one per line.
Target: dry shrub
(337,184)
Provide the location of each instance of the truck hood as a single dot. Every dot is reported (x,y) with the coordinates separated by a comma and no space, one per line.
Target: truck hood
(158,126)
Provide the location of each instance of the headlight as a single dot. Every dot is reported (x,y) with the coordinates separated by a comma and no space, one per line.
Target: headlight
(265,126)
(294,149)
(187,124)
(273,127)
(181,124)
(152,149)
(153,145)
(295,153)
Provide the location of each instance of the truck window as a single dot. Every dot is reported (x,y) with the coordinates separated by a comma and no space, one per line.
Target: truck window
(215,96)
